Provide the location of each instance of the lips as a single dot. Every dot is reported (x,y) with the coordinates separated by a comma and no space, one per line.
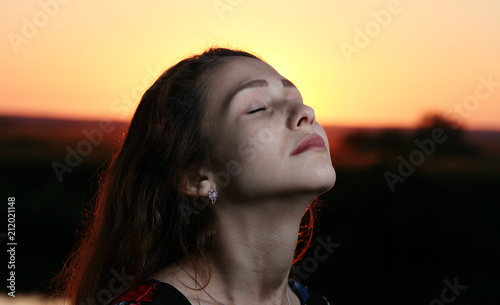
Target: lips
(310,142)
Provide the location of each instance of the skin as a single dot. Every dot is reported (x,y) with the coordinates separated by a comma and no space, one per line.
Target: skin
(260,205)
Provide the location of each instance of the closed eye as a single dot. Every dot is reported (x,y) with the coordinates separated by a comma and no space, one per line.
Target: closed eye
(257,110)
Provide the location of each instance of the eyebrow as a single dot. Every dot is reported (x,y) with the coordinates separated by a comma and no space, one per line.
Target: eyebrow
(256,83)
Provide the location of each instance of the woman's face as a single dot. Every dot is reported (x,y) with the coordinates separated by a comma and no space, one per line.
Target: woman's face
(257,122)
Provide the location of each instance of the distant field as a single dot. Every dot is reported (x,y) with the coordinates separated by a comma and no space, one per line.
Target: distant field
(397,247)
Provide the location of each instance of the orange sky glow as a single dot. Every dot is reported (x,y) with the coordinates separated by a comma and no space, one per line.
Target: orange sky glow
(375,63)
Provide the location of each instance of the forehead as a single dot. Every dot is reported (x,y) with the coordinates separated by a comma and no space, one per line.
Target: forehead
(242,69)
(235,72)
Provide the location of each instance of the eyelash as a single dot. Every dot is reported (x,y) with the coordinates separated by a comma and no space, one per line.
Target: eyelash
(258,109)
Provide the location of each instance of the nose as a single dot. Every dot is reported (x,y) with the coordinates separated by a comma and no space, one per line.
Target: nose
(301,116)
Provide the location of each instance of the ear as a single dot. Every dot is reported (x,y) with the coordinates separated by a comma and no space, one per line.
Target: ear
(198,185)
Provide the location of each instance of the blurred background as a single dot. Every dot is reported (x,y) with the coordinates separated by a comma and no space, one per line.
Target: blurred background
(408,92)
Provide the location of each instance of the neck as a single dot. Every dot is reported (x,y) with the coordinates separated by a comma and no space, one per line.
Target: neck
(253,251)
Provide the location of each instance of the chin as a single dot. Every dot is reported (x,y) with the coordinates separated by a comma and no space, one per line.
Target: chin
(327,181)
(320,184)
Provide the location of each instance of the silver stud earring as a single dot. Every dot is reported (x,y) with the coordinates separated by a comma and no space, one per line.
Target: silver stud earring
(212,195)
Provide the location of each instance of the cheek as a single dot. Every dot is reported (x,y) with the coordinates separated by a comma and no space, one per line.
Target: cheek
(267,135)
(254,144)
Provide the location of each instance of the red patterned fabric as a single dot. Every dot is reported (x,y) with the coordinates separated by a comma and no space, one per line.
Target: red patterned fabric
(141,293)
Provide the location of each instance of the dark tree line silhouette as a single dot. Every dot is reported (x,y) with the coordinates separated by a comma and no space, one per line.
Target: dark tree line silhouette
(397,140)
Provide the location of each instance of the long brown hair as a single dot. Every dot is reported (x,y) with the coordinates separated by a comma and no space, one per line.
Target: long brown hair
(138,225)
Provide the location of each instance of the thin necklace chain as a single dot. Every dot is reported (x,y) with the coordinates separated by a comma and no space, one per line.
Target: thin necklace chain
(203,288)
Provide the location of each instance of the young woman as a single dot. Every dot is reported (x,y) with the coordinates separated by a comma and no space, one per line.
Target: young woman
(203,203)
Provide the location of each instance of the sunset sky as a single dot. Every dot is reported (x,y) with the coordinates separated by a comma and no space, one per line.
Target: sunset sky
(357,63)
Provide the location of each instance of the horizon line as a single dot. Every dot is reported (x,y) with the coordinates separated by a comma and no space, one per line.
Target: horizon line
(125,121)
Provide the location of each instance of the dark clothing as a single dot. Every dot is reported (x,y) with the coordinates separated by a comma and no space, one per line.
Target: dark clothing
(154,292)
